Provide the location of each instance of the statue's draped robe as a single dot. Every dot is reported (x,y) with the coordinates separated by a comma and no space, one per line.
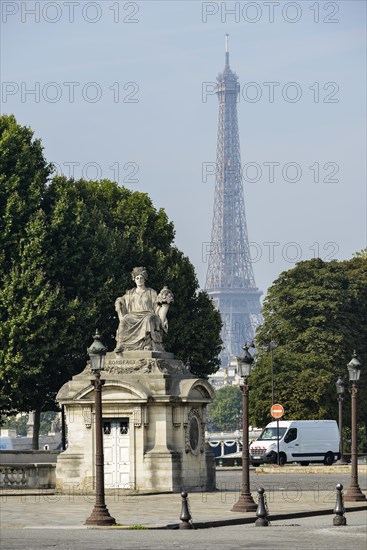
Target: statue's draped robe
(140,327)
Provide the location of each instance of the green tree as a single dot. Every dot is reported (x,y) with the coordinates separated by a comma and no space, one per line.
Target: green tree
(361,254)
(317,315)
(100,223)
(72,247)
(24,173)
(225,411)
(36,327)
(48,420)
(18,423)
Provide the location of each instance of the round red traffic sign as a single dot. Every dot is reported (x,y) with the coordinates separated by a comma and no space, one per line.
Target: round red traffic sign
(277,411)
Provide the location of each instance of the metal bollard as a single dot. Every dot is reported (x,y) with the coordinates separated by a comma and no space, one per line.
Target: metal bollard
(262,516)
(339,518)
(185,516)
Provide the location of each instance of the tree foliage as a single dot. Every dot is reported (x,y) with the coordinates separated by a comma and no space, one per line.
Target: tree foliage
(26,297)
(316,314)
(18,423)
(23,176)
(67,250)
(225,411)
(101,224)
(361,254)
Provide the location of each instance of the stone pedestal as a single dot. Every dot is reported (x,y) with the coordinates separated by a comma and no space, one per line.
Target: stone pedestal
(154,415)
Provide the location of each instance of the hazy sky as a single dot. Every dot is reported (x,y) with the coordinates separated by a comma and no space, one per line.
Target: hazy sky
(123,90)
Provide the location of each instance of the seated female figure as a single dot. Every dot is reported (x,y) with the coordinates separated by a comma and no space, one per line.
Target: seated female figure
(142,315)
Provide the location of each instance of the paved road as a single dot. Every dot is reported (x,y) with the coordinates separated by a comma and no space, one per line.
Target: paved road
(316,533)
(230,480)
(39,522)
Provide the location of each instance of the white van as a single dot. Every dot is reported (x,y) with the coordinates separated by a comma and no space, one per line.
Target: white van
(302,441)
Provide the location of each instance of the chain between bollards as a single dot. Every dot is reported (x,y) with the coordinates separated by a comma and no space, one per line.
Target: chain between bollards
(185,516)
(339,518)
(262,512)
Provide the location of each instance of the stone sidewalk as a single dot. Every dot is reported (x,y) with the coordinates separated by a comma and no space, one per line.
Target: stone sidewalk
(46,509)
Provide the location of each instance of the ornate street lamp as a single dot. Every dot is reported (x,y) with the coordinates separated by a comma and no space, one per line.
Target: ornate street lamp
(340,386)
(97,354)
(245,502)
(354,492)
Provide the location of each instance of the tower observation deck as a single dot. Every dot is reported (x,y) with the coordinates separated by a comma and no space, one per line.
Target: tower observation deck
(230,279)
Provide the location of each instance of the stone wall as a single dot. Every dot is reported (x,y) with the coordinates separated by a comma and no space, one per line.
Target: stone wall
(28,457)
(28,476)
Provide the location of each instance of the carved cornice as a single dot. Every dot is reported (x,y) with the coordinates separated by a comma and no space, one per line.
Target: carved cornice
(119,365)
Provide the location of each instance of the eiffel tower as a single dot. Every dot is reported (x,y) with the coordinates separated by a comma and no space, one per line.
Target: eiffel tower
(230,279)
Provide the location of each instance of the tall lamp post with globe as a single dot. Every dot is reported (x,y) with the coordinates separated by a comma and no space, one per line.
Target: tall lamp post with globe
(354,492)
(245,502)
(97,353)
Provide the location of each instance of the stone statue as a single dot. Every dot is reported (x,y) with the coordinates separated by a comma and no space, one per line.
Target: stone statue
(142,315)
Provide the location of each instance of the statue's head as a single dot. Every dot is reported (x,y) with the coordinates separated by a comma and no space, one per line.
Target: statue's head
(139,271)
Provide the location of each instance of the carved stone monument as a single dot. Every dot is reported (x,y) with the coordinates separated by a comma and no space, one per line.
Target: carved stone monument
(154,409)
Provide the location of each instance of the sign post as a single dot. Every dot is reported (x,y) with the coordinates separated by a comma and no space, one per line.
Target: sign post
(277,412)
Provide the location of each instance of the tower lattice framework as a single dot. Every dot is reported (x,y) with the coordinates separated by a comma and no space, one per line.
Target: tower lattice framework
(230,279)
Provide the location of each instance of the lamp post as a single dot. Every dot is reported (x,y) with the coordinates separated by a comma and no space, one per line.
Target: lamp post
(245,502)
(100,514)
(354,492)
(272,346)
(340,386)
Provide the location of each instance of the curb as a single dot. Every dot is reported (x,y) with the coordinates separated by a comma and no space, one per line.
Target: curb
(234,521)
(271,517)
